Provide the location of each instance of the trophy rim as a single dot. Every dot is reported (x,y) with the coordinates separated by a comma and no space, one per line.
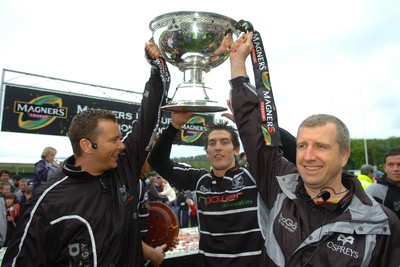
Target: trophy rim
(193,106)
(154,21)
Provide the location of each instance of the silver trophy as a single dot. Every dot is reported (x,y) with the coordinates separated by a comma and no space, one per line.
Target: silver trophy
(195,42)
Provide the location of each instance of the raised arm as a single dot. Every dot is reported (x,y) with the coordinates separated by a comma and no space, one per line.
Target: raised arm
(266,161)
(159,158)
(147,115)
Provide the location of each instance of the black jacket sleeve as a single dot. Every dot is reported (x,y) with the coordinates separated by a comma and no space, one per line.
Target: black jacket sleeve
(159,158)
(288,145)
(138,138)
(266,162)
(179,175)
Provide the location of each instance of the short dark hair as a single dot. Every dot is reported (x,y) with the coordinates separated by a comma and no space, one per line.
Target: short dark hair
(17,177)
(84,125)
(12,196)
(222,125)
(4,171)
(392,152)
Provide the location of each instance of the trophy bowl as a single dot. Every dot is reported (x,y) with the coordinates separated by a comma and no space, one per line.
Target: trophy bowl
(195,42)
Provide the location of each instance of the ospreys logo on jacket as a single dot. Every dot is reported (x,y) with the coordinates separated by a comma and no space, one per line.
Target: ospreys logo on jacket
(80,255)
(343,245)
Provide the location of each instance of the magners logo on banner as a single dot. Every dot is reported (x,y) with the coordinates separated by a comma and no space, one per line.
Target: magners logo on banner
(39,112)
(193,129)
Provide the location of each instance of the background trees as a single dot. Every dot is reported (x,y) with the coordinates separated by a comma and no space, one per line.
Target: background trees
(376,149)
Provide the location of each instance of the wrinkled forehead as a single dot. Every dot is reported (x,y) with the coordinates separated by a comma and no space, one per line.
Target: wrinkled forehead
(317,134)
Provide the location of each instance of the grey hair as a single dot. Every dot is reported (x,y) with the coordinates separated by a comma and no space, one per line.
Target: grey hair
(342,133)
(366,169)
(47,151)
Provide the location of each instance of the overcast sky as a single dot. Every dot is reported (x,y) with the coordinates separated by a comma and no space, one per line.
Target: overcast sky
(336,57)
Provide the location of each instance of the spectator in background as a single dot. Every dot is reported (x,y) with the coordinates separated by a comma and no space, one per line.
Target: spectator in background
(243,160)
(15,182)
(152,191)
(174,204)
(377,175)
(192,212)
(387,189)
(13,212)
(20,192)
(366,175)
(190,201)
(183,213)
(4,176)
(164,189)
(45,167)
(27,194)
(3,218)
(5,188)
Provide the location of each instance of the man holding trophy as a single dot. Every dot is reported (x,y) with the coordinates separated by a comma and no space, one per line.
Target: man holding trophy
(311,214)
(227,195)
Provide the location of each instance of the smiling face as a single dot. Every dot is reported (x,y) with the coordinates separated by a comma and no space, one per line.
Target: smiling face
(221,151)
(109,145)
(319,159)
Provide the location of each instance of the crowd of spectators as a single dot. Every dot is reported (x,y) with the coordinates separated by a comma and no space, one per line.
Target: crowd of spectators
(15,190)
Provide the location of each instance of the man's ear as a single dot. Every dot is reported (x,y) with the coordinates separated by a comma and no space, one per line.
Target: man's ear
(86,145)
(345,157)
(237,151)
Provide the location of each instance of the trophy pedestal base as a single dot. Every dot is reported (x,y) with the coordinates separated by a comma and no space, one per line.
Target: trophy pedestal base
(192,96)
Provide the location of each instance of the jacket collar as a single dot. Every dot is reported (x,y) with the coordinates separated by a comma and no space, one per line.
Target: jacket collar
(71,170)
(385,181)
(289,185)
